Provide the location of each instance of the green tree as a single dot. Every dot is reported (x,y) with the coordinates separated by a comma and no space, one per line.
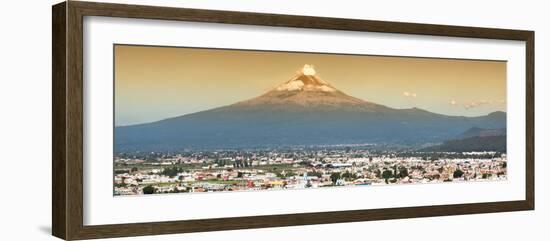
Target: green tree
(314,174)
(458,173)
(149,190)
(387,174)
(403,172)
(171,171)
(348,175)
(334,177)
(289,173)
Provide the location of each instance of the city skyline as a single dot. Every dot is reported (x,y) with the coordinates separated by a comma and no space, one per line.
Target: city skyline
(155,83)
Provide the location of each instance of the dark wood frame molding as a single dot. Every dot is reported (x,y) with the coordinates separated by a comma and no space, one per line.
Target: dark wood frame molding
(67,123)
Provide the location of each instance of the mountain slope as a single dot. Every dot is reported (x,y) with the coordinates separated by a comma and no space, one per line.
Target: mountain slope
(304,110)
(474,139)
(480,132)
(475,143)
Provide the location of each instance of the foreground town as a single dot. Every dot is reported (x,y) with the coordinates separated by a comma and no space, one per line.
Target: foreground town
(153,173)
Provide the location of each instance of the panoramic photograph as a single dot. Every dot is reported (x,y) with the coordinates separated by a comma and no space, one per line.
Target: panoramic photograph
(194,120)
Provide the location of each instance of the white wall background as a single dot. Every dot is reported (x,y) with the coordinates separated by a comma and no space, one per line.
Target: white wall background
(25,121)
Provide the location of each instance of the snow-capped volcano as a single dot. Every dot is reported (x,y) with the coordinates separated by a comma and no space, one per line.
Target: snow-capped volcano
(307,89)
(306,80)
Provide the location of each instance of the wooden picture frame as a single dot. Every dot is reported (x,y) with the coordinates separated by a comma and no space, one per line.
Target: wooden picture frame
(67,124)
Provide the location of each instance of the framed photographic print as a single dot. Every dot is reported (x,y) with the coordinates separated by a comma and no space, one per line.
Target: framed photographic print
(171,120)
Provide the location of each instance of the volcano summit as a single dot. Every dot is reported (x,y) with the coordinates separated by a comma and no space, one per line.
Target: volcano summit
(305,111)
(307,90)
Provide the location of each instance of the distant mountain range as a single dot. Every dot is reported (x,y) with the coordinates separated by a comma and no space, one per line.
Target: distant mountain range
(474,139)
(304,110)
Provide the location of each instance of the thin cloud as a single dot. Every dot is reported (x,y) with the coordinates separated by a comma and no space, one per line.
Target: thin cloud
(475,104)
(409,94)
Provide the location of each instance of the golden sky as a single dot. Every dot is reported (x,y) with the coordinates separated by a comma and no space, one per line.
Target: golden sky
(154,83)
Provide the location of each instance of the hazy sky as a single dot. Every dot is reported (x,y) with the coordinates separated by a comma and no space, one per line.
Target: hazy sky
(154,83)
